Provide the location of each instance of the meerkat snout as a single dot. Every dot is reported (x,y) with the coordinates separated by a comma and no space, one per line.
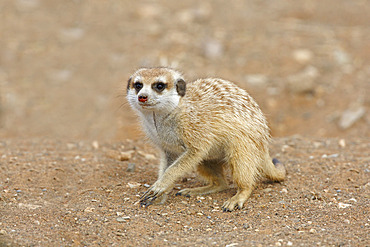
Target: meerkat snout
(142,98)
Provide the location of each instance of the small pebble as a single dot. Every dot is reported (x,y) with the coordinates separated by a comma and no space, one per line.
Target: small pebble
(147,156)
(125,156)
(343,205)
(120,219)
(213,48)
(95,144)
(333,156)
(89,209)
(342,143)
(350,116)
(133,185)
(121,156)
(131,167)
(123,219)
(302,55)
(230,245)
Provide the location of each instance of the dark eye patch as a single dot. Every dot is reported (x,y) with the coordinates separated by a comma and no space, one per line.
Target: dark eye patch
(138,86)
(159,86)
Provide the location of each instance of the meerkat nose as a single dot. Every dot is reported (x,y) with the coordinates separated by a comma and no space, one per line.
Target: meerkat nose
(143,98)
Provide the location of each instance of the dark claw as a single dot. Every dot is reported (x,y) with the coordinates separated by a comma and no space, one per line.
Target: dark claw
(226,210)
(145,204)
(179,194)
(147,198)
(144,195)
(148,201)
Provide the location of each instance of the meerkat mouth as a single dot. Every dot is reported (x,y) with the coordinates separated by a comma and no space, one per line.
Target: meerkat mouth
(147,105)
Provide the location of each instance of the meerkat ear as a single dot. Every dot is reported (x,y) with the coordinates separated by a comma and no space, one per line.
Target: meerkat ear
(181,87)
(128,84)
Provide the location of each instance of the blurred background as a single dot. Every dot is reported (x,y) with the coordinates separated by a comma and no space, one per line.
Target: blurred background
(64,64)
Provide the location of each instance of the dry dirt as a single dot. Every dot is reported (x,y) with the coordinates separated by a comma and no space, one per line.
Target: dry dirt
(80,194)
(67,135)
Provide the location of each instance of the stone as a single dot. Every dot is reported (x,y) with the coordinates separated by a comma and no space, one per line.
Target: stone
(343,205)
(95,144)
(302,55)
(133,185)
(304,81)
(121,156)
(213,48)
(89,209)
(256,79)
(342,143)
(351,116)
(131,167)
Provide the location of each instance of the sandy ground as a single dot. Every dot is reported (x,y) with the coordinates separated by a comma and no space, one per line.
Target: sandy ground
(68,135)
(80,194)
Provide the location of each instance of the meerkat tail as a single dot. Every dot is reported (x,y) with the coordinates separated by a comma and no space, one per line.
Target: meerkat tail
(274,169)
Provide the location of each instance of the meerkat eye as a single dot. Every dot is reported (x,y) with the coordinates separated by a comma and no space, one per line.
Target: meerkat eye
(159,86)
(138,86)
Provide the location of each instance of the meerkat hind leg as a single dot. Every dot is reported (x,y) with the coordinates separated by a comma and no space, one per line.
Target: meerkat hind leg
(244,172)
(212,171)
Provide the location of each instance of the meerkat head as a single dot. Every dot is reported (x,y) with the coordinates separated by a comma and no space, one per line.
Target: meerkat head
(155,89)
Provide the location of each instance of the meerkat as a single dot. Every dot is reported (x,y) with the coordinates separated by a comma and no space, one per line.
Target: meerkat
(205,125)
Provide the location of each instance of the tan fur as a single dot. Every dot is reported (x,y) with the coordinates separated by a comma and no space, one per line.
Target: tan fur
(215,124)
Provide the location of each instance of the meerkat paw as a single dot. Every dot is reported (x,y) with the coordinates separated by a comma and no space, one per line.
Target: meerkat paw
(237,201)
(201,190)
(233,203)
(154,192)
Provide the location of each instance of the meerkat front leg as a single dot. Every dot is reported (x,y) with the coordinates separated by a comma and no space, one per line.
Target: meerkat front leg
(186,163)
(167,159)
